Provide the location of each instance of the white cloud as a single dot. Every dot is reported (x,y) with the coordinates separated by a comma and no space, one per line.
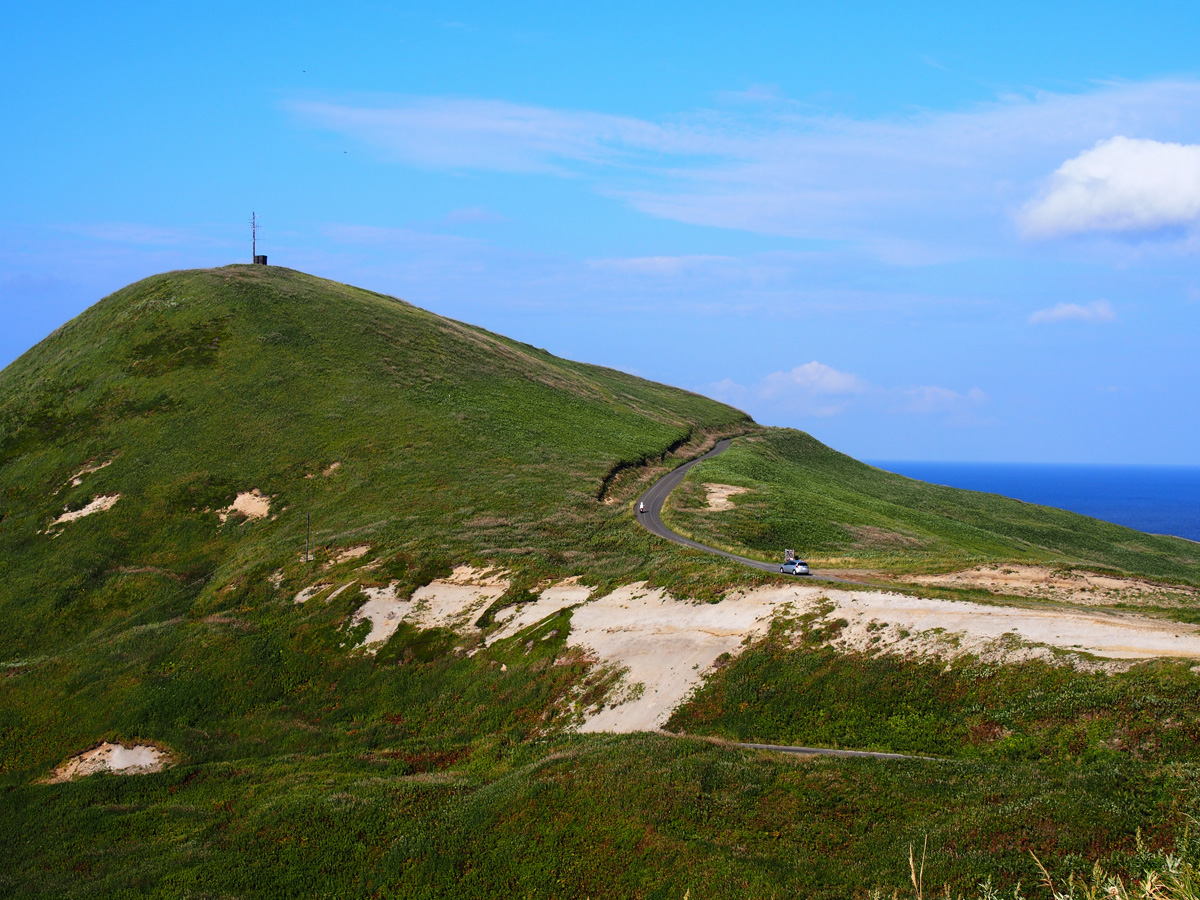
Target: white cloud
(813,379)
(1119,185)
(813,389)
(1099,311)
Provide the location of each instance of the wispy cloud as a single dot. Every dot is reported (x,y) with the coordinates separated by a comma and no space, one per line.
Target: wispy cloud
(931,400)
(1099,311)
(922,188)
(812,389)
(492,135)
(665,266)
(1119,185)
(815,389)
(474,215)
(145,235)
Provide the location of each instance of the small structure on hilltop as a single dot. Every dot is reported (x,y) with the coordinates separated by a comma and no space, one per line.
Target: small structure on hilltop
(260,259)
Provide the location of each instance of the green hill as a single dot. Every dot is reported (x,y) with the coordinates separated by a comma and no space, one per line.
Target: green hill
(387,424)
(844,513)
(139,602)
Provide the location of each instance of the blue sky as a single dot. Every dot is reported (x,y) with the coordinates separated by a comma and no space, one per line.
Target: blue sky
(916,233)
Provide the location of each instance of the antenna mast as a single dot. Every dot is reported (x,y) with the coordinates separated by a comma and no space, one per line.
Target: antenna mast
(255,258)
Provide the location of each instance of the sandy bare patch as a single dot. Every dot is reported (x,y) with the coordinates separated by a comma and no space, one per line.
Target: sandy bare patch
(251,504)
(487,577)
(103,503)
(327,471)
(350,553)
(459,600)
(311,591)
(719,494)
(455,602)
(384,610)
(665,645)
(140,759)
(947,628)
(553,599)
(1066,586)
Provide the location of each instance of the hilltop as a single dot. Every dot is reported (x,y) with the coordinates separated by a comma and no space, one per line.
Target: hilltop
(399,712)
(385,424)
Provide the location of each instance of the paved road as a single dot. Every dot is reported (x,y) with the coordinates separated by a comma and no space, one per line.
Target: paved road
(657,495)
(651,519)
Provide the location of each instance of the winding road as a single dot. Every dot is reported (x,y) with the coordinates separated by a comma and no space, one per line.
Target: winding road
(651,519)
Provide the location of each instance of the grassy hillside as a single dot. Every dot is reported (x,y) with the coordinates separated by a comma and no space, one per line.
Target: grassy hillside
(843,513)
(449,443)
(440,767)
(431,442)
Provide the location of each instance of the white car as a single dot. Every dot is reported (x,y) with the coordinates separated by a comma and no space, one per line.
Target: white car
(795,567)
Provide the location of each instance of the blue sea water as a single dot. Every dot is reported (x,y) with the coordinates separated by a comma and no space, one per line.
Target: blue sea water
(1157,499)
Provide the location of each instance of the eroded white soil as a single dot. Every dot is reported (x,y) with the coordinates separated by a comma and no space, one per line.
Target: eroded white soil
(140,759)
(455,602)
(551,600)
(664,647)
(103,503)
(77,478)
(252,504)
(719,494)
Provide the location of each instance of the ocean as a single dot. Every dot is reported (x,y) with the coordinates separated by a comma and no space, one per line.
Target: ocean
(1157,499)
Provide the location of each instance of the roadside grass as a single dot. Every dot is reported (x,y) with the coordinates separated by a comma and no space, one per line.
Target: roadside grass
(841,513)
